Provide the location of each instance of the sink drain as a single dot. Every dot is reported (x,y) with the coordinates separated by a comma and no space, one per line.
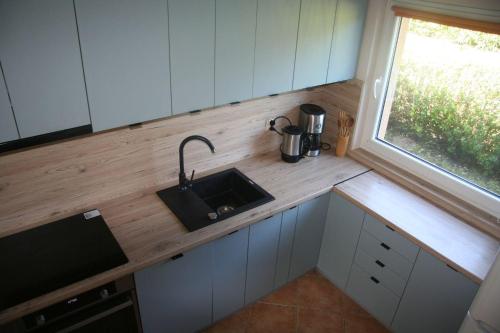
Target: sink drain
(224,209)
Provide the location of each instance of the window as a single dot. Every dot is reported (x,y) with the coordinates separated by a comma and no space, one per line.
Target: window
(442,103)
(431,103)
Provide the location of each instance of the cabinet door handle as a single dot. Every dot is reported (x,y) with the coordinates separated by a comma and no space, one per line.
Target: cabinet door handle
(177,256)
(374,279)
(380,263)
(385,246)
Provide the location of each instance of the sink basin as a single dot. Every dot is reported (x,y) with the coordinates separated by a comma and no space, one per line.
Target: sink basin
(214,198)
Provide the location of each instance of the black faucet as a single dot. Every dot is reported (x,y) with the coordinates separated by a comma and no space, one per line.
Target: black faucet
(184,183)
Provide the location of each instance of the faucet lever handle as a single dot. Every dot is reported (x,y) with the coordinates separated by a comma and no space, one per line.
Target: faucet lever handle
(192,175)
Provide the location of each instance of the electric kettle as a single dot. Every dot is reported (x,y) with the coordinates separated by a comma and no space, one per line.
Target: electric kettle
(295,142)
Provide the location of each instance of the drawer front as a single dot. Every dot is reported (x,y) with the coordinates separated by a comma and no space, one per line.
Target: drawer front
(380,251)
(397,242)
(373,296)
(375,267)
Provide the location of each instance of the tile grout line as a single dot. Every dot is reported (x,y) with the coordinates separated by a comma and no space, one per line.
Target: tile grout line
(296,319)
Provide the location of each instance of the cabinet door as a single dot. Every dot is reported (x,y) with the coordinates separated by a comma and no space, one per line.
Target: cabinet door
(234,50)
(285,247)
(314,42)
(125,53)
(436,298)
(276,40)
(177,296)
(308,235)
(42,65)
(347,35)
(8,130)
(262,252)
(342,229)
(229,273)
(192,48)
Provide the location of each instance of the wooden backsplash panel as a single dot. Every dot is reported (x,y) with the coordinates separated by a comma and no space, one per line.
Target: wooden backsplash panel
(335,98)
(58,179)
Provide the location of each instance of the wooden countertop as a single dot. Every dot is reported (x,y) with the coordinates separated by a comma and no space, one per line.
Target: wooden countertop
(460,245)
(149,233)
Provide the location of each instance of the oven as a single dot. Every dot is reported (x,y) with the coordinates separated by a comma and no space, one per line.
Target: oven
(107,309)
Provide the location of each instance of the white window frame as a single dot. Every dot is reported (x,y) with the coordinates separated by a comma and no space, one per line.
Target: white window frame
(379,42)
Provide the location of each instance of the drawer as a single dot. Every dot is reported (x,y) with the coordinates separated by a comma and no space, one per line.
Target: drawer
(375,267)
(372,295)
(390,258)
(397,242)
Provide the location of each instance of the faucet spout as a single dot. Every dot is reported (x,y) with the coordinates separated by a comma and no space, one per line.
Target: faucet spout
(184,183)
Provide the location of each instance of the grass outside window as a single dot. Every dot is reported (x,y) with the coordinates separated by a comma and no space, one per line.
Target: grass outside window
(442,104)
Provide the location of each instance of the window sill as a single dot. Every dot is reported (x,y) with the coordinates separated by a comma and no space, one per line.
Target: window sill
(452,204)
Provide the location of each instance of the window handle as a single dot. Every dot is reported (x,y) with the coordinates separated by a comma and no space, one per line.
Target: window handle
(375,86)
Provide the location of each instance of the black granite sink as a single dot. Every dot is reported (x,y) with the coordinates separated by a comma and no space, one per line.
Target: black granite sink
(214,198)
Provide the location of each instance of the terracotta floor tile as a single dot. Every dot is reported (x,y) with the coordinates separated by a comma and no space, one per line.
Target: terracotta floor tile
(355,324)
(350,307)
(310,304)
(235,323)
(314,291)
(319,321)
(286,295)
(272,318)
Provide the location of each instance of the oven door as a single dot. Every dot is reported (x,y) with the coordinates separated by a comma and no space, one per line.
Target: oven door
(116,314)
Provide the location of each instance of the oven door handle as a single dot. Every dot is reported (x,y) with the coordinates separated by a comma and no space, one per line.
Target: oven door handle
(98,316)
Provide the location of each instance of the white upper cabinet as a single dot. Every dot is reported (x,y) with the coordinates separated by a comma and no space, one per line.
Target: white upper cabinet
(42,65)
(347,36)
(126,59)
(192,48)
(234,50)
(276,40)
(8,130)
(314,42)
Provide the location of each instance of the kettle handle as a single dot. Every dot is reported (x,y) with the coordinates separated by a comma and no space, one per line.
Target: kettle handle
(306,144)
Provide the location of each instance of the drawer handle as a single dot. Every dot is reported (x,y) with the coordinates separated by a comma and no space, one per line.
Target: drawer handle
(374,279)
(380,263)
(385,246)
(177,256)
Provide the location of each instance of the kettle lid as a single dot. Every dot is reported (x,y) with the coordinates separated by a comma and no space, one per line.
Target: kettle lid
(312,109)
(293,130)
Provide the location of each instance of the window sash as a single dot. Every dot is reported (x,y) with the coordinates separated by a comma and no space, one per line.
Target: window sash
(384,42)
(465,23)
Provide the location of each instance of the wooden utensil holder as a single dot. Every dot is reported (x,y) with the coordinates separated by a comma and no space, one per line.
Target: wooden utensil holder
(341,148)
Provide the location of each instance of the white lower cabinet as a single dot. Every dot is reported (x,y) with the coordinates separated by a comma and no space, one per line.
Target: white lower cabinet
(404,287)
(262,253)
(308,234)
(343,225)
(176,296)
(229,273)
(210,282)
(372,295)
(436,298)
(285,246)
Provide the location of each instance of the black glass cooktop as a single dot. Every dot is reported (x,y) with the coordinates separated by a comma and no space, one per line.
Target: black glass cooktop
(54,255)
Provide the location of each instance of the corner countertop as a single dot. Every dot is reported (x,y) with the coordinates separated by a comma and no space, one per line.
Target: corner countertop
(460,245)
(149,233)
